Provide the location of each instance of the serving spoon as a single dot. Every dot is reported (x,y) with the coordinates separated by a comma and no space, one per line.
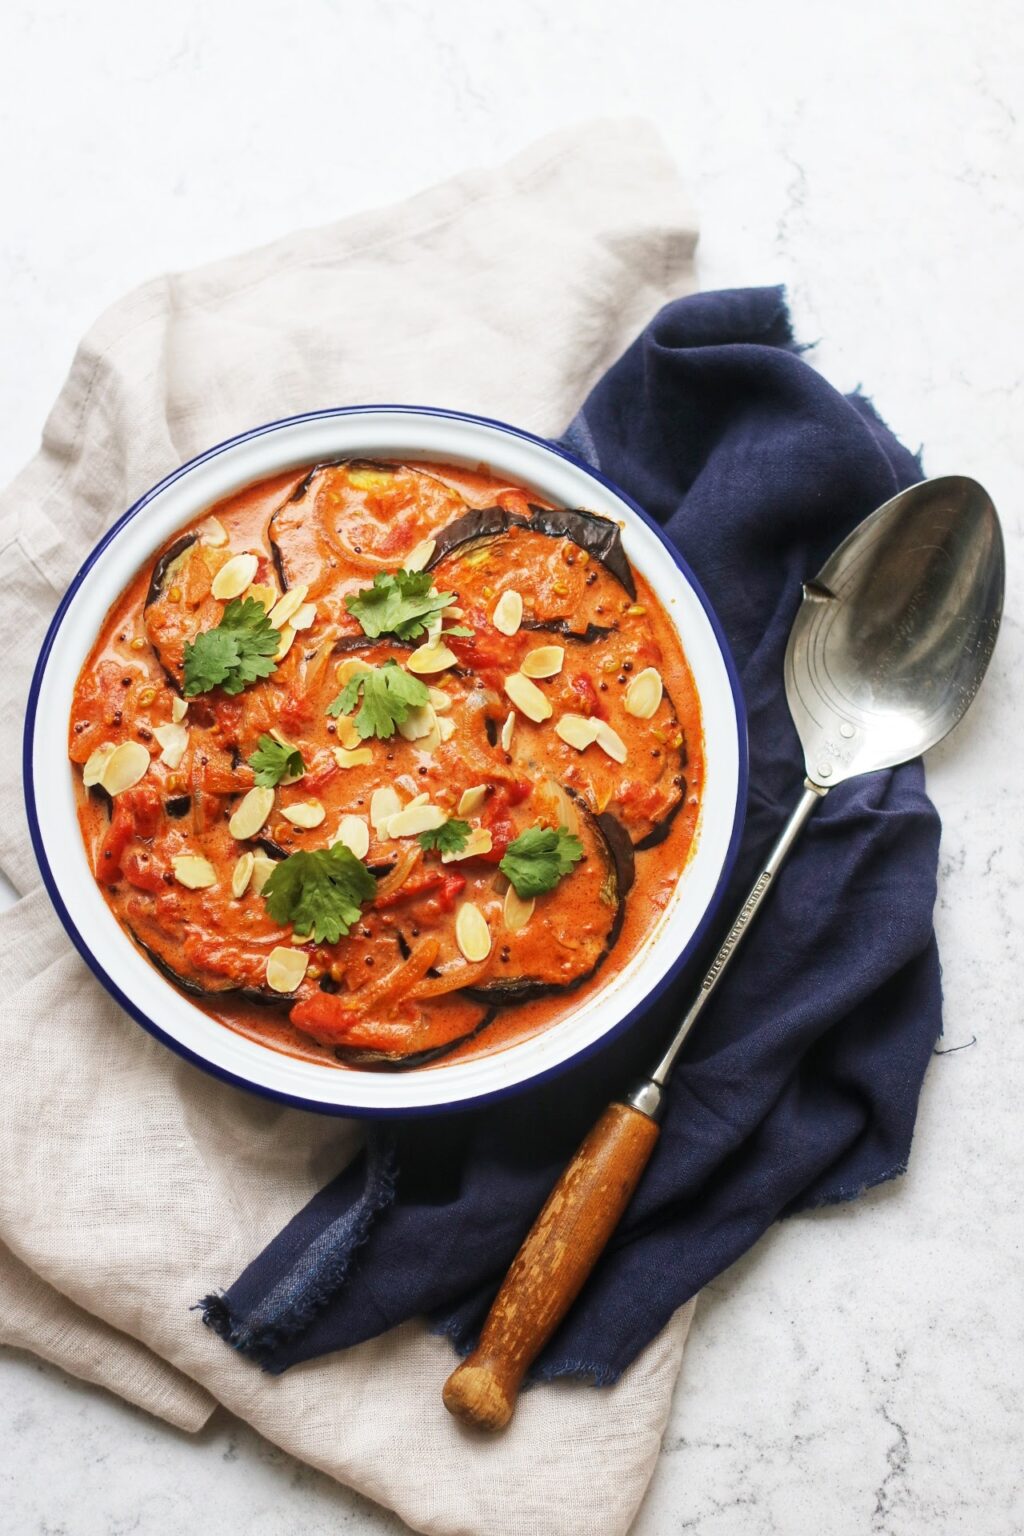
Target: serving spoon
(889,646)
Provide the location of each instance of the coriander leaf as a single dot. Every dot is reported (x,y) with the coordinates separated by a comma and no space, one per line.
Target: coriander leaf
(458,629)
(321,893)
(539,858)
(272,762)
(399,603)
(239,651)
(450,837)
(389,694)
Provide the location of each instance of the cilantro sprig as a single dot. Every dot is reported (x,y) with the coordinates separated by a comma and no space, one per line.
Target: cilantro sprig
(321,892)
(450,837)
(400,603)
(539,858)
(389,694)
(273,761)
(238,652)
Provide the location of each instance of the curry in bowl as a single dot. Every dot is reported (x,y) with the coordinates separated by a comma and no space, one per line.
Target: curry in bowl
(388,763)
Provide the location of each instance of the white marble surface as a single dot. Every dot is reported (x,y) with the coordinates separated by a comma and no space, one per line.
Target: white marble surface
(862,1370)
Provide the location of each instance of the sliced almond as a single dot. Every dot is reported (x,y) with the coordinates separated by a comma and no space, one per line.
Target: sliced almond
(303,617)
(174,741)
(287,636)
(124,767)
(516,911)
(472,799)
(419,558)
(346,670)
(355,834)
(545,661)
(416,819)
(476,845)
(263,867)
(441,701)
(346,733)
(264,595)
(472,933)
(92,773)
(507,730)
(577,730)
(251,812)
(285,606)
(508,612)
(611,742)
(418,723)
(234,576)
(430,658)
(384,803)
(285,968)
(527,697)
(193,872)
(242,874)
(212,532)
(644,694)
(352,757)
(179,709)
(306,813)
(423,799)
(445,728)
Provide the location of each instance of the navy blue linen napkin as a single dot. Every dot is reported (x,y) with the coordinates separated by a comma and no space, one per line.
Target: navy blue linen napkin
(801,1083)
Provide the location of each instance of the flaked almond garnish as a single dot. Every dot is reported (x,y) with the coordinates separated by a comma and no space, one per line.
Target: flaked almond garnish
(346,733)
(355,834)
(263,867)
(527,697)
(445,728)
(125,766)
(508,612)
(476,845)
(417,559)
(351,667)
(577,730)
(611,742)
(287,636)
(472,799)
(516,911)
(441,701)
(193,872)
(421,799)
(303,617)
(507,730)
(285,968)
(262,594)
(288,604)
(472,933)
(179,709)
(242,874)
(92,773)
(416,819)
(212,531)
(174,741)
(644,694)
(545,661)
(430,658)
(352,756)
(306,813)
(233,577)
(418,723)
(384,803)
(251,812)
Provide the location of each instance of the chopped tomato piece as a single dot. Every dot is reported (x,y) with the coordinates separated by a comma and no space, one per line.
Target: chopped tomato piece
(586,693)
(142,871)
(518,791)
(324,1016)
(118,835)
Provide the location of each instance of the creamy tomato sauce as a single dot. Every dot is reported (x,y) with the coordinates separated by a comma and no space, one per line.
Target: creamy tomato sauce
(552,697)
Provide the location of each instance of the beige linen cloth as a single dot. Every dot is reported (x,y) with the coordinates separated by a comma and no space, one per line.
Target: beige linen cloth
(132,1182)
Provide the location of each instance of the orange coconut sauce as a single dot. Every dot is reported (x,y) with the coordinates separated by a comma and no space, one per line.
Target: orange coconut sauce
(400,988)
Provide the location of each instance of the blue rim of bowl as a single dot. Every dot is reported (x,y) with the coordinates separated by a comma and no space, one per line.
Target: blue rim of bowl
(404,1111)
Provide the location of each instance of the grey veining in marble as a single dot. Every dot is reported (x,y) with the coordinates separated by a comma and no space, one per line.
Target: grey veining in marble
(862,1371)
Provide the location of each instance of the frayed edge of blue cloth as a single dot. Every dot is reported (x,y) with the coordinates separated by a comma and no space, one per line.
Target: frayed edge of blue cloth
(282,1316)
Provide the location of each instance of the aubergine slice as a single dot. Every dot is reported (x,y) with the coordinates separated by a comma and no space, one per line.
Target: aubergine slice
(359,513)
(169,564)
(193,987)
(598,536)
(609,852)
(441,1029)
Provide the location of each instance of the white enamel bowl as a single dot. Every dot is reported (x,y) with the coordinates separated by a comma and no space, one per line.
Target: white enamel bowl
(380,432)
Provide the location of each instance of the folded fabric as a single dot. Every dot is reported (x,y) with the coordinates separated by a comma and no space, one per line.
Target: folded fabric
(801,1084)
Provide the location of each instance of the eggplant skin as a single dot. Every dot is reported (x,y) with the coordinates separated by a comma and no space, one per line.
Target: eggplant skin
(156,581)
(563,628)
(600,537)
(264,998)
(382,1061)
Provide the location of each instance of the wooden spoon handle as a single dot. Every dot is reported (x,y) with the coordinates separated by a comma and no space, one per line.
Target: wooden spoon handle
(562,1248)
